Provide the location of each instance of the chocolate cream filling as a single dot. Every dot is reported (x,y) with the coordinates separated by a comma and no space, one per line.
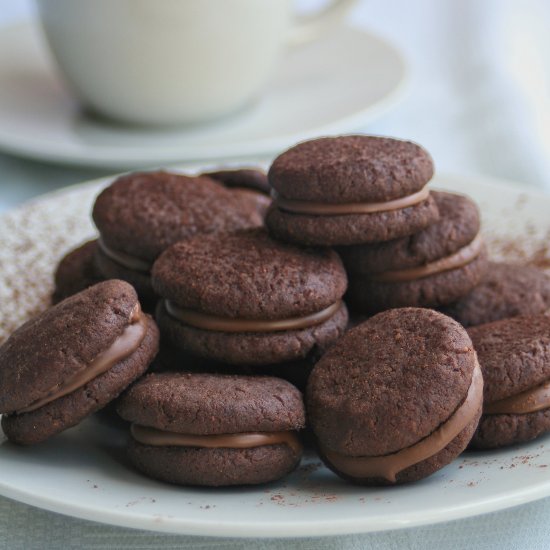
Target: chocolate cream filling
(161,438)
(225,324)
(462,257)
(329,209)
(388,466)
(123,346)
(125,260)
(529,401)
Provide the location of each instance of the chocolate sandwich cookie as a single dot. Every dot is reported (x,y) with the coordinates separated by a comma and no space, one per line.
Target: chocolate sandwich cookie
(433,267)
(396,398)
(72,360)
(209,429)
(141,214)
(244,298)
(350,189)
(514,355)
(76,271)
(506,291)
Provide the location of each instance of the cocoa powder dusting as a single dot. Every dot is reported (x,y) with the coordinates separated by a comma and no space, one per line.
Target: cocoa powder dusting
(524,249)
(32,240)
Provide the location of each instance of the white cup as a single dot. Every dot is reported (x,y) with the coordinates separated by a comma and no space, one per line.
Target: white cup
(166,62)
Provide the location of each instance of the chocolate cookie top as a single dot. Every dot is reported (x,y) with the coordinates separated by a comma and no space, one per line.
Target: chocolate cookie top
(253,200)
(390,382)
(352,168)
(76,271)
(143,213)
(514,354)
(248,275)
(506,291)
(62,341)
(204,404)
(458,225)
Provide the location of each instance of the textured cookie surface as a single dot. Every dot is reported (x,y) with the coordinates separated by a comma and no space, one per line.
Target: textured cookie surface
(253,200)
(458,225)
(202,404)
(389,382)
(214,467)
(76,271)
(369,296)
(67,411)
(144,213)
(351,169)
(350,229)
(500,430)
(514,354)
(62,341)
(249,275)
(426,467)
(506,291)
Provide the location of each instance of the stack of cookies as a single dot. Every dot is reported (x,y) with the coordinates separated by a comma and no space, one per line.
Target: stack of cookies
(402,245)
(142,214)
(251,313)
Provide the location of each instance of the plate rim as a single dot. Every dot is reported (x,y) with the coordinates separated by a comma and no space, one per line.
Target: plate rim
(277,529)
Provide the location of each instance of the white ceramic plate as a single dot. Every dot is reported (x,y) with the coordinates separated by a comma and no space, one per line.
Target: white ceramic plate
(83,472)
(334,85)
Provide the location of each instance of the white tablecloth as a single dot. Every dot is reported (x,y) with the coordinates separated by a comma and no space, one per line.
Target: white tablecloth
(480,103)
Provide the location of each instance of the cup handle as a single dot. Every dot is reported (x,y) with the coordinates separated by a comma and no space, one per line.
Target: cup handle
(308,27)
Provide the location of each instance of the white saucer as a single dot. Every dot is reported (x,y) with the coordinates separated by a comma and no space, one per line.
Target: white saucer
(334,85)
